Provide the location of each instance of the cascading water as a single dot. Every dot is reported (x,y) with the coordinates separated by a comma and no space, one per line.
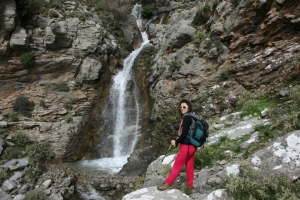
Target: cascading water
(121,115)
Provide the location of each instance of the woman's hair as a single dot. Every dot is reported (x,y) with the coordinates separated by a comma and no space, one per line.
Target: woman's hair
(189,104)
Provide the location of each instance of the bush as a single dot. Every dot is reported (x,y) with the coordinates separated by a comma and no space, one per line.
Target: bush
(53,14)
(27,59)
(199,37)
(13,153)
(23,106)
(36,194)
(251,103)
(148,9)
(202,16)
(39,154)
(5,173)
(20,139)
(295,95)
(43,104)
(225,75)
(263,183)
(26,9)
(11,116)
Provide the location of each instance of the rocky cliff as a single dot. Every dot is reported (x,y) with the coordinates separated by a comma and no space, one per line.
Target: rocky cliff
(205,51)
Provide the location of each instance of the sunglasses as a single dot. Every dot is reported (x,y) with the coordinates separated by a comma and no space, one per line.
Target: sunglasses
(182,107)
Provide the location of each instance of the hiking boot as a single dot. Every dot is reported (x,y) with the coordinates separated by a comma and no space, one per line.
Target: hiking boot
(164,186)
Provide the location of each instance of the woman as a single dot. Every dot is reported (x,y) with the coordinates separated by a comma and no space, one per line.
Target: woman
(187,151)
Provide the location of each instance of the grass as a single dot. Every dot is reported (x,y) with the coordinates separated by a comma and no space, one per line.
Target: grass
(209,155)
(283,118)
(262,184)
(253,103)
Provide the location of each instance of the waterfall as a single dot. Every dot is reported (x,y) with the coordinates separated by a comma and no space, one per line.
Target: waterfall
(119,97)
(120,119)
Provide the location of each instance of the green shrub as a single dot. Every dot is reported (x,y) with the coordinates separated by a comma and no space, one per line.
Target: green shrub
(43,104)
(199,37)
(202,16)
(13,153)
(295,94)
(168,124)
(3,132)
(26,9)
(265,132)
(5,173)
(264,183)
(203,158)
(24,106)
(20,139)
(39,154)
(165,170)
(225,75)
(53,14)
(148,9)
(252,104)
(174,65)
(27,59)
(211,154)
(11,116)
(139,182)
(56,4)
(36,194)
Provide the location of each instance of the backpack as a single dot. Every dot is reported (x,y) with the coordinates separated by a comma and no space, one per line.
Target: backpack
(200,133)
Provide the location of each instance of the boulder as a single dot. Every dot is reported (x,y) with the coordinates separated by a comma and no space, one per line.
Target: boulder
(19,39)
(153,193)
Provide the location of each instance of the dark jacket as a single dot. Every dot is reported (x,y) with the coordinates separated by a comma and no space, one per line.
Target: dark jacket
(187,121)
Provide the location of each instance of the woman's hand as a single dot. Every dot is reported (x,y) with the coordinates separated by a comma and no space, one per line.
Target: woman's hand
(173,143)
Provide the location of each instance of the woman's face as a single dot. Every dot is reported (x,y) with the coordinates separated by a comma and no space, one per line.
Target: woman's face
(184,108)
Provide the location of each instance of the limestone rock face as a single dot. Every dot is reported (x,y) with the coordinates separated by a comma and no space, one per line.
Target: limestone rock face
(7,24)
(243,43)
(89,70)
(70,56)
(8,10)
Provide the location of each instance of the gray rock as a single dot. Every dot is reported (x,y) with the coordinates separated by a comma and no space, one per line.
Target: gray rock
(19,39)
(179,35)
(3,124)
(9,15)
(16,176)
(220,194)
(56,196)
(88,39)
(24,189)
(239,130)
(281,156)
(4,195)
(66,182)
(9,185)
(16,164)
(47,183)
(152,193)
(19,197)
(89,70)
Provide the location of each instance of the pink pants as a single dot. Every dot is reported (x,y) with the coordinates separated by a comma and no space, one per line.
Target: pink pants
(185,157)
